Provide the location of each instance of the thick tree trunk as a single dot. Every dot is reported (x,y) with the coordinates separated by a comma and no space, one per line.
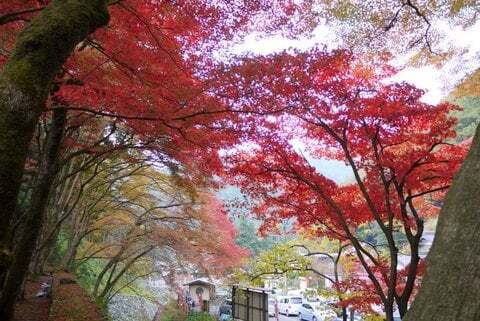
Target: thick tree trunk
(451,286)
(388,312)
(34,218)
(41,50)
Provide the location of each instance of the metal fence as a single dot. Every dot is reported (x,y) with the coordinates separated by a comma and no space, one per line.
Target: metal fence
(249,304)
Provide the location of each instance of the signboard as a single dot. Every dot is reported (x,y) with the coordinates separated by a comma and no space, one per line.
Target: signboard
(249,304)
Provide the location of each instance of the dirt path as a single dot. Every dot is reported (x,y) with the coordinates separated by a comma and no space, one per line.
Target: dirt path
(33,308)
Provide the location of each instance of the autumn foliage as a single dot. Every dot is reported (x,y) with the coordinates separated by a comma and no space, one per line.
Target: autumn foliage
(132,86)
(397,148)
(156,88)
(145,69)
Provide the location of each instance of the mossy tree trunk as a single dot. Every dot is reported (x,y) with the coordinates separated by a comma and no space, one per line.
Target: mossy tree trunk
(25,82)
(451,286)
(33,217)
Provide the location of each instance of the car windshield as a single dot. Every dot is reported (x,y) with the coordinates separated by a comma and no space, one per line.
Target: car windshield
(296,300)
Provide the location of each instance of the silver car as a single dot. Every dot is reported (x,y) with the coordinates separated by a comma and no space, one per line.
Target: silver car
(316,313)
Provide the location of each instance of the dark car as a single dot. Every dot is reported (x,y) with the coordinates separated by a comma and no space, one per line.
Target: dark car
(225,310)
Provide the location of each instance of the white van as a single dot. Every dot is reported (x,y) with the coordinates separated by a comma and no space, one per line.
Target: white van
(289,305)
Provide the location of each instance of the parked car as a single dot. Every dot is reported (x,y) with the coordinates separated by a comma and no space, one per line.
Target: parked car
(307,312)
(225,311)
(226,306)
(289,305)
(315,301)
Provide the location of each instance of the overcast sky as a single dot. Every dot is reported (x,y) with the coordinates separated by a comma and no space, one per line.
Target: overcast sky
(436,82)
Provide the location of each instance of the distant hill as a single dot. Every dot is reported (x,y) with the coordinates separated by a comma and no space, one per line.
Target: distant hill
(247,225)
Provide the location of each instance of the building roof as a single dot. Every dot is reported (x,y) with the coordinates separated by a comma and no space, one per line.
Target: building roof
(199,282)
(253,289)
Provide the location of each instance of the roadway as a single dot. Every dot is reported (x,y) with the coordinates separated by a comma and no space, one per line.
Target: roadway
(282,317)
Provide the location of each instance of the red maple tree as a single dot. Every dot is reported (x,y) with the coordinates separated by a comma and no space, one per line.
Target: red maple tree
(318,105)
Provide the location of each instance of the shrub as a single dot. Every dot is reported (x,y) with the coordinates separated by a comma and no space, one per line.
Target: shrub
(171,312)
(200,316)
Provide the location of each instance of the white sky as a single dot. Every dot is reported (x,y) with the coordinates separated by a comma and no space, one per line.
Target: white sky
(439,82)
(436,82)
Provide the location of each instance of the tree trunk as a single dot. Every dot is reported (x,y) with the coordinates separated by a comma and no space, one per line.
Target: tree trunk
(34,218)
(451,284)
(111,283)
(344,314)
(388,312)
(41,50)
(67,260)
(105,269)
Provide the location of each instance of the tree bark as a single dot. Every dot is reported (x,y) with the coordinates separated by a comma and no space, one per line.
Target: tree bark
(451,284)
(25,82)
(34,218)
(111,283)
(344,314)
(67,260)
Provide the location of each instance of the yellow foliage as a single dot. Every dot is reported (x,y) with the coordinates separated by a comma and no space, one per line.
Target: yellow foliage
(470,86)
